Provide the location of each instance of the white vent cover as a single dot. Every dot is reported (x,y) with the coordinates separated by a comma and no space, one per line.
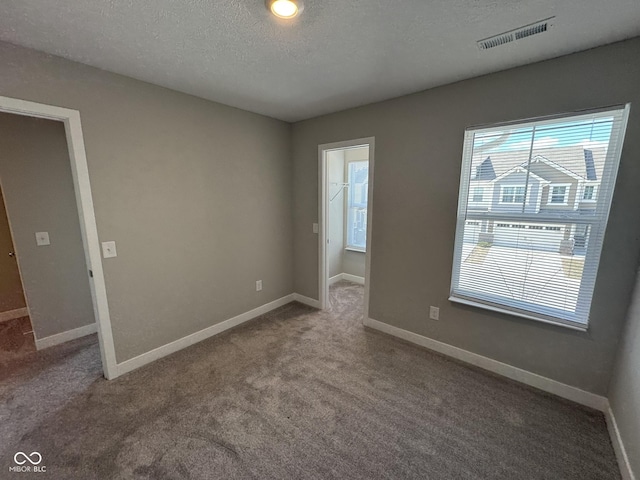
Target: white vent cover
(517,34)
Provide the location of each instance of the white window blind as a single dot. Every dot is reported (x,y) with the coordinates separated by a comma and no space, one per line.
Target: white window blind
(532,246)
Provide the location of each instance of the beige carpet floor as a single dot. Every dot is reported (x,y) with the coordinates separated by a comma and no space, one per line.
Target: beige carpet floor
(295,394)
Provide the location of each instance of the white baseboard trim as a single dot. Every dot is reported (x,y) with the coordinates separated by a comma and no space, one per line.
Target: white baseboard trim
(312,302)
(13,314)
(353,278)
(514,373)
(618,446)
(184,342)
(67,336)
(348,277)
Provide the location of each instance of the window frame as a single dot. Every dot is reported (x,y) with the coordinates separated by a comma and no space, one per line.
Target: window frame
(581,322)
(514,194)
(594,195)
(475,194)
(565,199)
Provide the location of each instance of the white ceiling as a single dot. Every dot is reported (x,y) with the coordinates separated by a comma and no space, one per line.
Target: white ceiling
(337,54)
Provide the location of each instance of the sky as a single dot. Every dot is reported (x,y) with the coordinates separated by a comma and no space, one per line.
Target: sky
(589,133)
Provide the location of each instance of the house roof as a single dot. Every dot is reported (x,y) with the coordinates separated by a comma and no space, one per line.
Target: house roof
(575,161)
(485,171)
(557,166)
(520,169)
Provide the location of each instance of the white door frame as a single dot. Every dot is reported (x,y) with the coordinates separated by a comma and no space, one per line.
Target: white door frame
(84,200)
(323,197)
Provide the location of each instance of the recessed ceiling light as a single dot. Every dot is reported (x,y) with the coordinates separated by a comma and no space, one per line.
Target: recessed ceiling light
(285,8)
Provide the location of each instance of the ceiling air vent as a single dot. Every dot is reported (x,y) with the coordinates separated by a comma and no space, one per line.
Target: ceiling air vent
(517,34)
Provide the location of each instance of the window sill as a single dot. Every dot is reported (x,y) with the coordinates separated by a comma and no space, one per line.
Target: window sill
(356,249)
(559,323)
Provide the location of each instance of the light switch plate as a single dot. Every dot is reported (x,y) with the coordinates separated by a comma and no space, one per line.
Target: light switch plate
(42,238)
(109,250)
(315,228)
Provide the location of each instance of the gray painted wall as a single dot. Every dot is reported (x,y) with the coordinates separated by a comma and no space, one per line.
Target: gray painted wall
(335,175)
(197,196)
(624,394)
(353,263)
(36,178)
(418,156)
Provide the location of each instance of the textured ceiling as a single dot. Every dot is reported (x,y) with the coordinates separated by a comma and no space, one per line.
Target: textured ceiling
(337,54)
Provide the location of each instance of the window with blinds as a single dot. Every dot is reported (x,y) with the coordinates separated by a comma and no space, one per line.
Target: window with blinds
(356,219)
(532,211)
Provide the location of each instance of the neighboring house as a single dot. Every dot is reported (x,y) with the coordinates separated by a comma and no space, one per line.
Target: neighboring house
(555,181)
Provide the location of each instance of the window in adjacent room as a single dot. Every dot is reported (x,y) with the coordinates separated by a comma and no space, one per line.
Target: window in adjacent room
(358,179)
(533,248)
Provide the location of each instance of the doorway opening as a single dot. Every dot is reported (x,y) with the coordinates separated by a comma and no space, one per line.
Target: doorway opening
(16,331)
(81,201)
(345,191)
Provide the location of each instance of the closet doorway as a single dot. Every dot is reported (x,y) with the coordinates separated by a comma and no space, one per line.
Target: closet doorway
(16,332)
(346,188)
(89,242)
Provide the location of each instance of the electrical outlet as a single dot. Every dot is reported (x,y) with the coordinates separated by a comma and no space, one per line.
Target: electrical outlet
(109,250)
(42,238)
(434,313)
(258,285)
